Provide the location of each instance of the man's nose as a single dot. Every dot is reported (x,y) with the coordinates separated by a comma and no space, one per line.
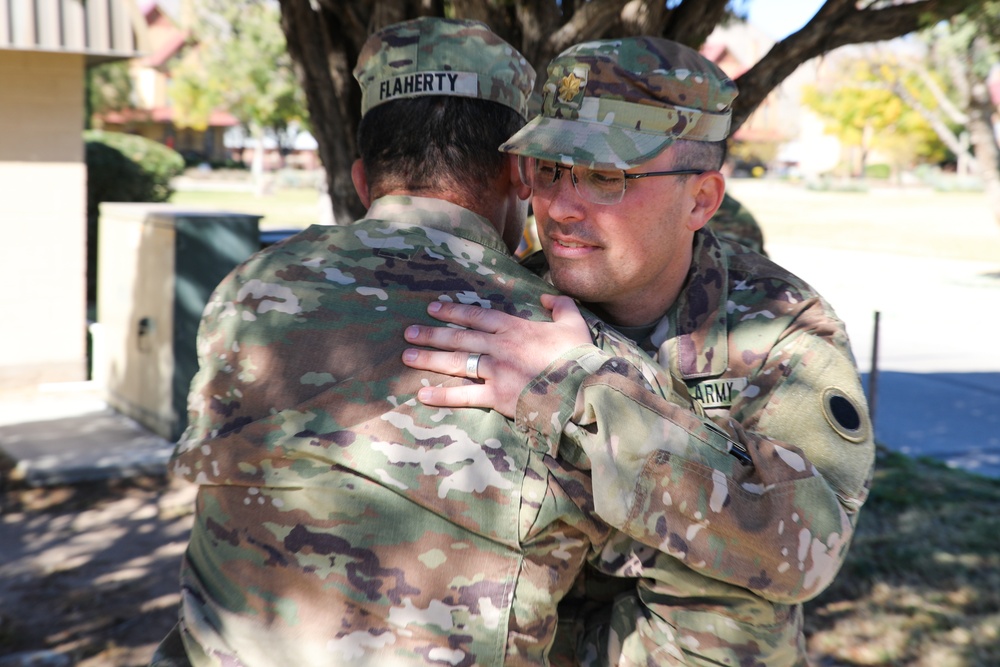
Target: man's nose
(565,203)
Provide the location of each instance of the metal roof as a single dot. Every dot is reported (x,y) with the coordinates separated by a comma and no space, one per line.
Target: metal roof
(103,30)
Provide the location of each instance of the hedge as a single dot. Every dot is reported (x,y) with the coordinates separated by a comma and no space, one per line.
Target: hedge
(123,168)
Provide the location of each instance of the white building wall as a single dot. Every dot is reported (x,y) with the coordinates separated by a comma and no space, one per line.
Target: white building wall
(42,218)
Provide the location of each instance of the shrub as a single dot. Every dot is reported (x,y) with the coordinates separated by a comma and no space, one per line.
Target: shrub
(123,168)
(878,171)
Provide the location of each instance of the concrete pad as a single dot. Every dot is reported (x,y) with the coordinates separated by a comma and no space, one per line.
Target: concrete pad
(65,434)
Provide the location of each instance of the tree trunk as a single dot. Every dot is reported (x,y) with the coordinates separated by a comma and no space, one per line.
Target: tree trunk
(984,144)
(965,162)
(321,51)
(692,22)
(257,161)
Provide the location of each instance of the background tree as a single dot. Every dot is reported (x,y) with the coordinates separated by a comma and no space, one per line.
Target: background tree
(948,88)
(964,50)
(108,88)
(324,37)
(240,63)
(864,112)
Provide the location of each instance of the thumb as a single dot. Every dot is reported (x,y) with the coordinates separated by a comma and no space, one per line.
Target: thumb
(564,310)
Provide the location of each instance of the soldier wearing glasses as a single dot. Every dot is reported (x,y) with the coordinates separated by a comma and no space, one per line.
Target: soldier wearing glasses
(725,540)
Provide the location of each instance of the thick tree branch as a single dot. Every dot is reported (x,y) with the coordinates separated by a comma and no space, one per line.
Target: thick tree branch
(640,17)
(533,18)
(588,22)
(476,11)
(692,21)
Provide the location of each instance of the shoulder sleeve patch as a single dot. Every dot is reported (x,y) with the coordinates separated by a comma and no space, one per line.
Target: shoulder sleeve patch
(844,415)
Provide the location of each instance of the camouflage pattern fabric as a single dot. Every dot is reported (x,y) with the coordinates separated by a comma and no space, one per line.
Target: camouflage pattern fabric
(418,57)
(340,521)
(724,552)
(734,222)
(615,104)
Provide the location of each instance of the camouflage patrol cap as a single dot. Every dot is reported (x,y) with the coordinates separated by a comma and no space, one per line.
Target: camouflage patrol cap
(436,56)
(617,103)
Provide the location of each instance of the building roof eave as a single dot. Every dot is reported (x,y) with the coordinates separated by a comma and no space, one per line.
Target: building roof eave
(100,29)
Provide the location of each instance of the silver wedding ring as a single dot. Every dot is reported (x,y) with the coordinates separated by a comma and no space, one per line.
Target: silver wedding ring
(472,366)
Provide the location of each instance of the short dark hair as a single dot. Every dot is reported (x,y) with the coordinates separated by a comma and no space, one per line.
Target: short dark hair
(425,143)
(699,154)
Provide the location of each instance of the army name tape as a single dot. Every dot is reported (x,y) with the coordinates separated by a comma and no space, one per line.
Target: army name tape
(718,393)
(464,84)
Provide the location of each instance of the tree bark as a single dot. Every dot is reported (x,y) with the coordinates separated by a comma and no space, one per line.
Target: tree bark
(319,47)
(588,22)
(692,21)
(257,161)
(984,141)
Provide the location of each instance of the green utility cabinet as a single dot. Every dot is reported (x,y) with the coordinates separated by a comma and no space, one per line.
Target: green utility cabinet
(157,266)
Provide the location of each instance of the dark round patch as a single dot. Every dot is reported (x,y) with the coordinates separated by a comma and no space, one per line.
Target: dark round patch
(845,413)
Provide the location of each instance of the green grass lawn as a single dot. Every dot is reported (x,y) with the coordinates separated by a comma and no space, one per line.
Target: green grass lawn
(284,208)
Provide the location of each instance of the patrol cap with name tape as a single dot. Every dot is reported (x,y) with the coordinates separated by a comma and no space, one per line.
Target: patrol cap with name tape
(436,56)
(617,103)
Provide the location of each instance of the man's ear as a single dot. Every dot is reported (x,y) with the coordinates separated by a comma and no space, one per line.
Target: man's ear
(708,190)
(360,182)
(523,191)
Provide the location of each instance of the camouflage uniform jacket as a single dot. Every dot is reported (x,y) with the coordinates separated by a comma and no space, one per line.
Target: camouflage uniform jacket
(725,549)
(734,222)
(340,521)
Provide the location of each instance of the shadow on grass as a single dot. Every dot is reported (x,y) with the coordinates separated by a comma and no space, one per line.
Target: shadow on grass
(921,584)
(90,572)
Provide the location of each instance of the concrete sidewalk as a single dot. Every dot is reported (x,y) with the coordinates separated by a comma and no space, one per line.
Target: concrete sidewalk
(65,433)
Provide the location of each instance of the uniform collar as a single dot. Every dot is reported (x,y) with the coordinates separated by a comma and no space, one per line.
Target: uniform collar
(696,322)
(406,210)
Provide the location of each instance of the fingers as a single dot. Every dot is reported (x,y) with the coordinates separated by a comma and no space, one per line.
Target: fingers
(446,363)
(477,323)
(458,341)
(567,315)
(485,394)
(472,317)
(465,396)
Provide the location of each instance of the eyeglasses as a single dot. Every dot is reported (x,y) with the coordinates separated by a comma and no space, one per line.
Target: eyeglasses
(598,186)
